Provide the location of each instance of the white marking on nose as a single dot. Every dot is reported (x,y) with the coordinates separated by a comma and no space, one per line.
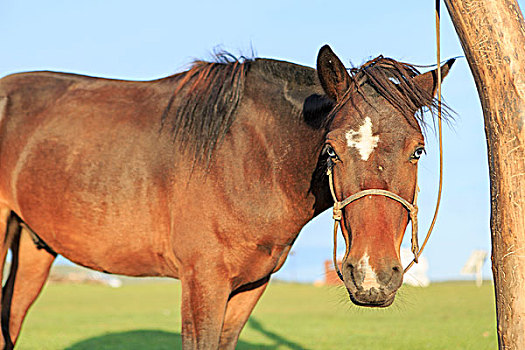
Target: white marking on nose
(363,139)
(370,280)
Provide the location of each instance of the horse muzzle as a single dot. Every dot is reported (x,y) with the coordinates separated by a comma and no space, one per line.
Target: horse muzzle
(367,287)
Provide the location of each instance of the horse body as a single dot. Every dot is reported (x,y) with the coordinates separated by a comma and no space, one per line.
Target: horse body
(88,167)
(206,176)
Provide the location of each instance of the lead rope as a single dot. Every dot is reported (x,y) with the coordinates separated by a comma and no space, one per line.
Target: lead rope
(337,216)
(440,188)
(412,208)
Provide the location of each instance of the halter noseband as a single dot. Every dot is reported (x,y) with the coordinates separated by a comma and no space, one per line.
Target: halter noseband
(339,205)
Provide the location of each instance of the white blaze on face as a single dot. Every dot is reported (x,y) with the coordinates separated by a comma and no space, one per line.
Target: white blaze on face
(362,139)
(370,280)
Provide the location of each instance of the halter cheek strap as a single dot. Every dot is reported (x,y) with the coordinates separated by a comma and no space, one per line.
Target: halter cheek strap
(338,214)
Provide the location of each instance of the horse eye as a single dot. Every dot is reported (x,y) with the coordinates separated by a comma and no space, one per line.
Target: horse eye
(330,151)
(418,153)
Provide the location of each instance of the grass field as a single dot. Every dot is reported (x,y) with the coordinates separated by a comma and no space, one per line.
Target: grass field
(455,315)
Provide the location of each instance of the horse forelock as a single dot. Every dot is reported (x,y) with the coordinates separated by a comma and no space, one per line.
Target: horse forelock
(393,81)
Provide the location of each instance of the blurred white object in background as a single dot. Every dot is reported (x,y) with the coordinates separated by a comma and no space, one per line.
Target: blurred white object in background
(474,265)
(417,275)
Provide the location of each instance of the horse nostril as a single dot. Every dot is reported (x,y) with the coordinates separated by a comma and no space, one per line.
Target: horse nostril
(397,275)
(350,266)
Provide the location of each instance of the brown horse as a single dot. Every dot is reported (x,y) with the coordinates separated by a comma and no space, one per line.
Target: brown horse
(207,176)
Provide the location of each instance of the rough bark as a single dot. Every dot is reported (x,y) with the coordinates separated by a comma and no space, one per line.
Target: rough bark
(492,33)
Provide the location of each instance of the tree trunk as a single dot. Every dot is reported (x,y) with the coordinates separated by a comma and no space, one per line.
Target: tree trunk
(492,33)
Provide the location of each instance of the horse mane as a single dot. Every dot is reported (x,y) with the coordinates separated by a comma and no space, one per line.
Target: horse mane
(392,80)
(202,107)
(207,96)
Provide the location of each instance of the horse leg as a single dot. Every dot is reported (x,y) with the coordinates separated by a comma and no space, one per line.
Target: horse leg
(27,277)
(238,310)
(5,240)
(8,237)
(203,306)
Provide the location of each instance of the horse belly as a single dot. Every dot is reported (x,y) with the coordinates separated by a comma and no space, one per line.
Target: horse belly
(116,238)
(96,232)
(97,199)
(117,250)
(123,239)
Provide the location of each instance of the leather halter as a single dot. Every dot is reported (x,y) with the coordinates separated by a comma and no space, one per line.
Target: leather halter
(339,205)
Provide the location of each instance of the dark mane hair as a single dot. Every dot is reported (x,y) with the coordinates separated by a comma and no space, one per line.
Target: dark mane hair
(207,97)
(208,94)
(393,81)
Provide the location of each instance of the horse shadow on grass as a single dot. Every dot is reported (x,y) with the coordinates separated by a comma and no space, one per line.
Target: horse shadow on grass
(160,340)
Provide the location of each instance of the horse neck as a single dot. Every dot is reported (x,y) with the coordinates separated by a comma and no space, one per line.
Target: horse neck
(274,154)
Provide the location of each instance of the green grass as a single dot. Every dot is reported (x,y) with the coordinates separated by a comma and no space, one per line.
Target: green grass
(289,316)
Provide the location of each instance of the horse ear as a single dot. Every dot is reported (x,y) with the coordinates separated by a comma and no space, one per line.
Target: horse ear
(428,81)
(332,74)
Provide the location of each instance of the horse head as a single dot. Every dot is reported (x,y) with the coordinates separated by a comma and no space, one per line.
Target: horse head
(373,141)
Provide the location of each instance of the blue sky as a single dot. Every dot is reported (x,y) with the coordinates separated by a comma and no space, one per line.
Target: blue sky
(146,40)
